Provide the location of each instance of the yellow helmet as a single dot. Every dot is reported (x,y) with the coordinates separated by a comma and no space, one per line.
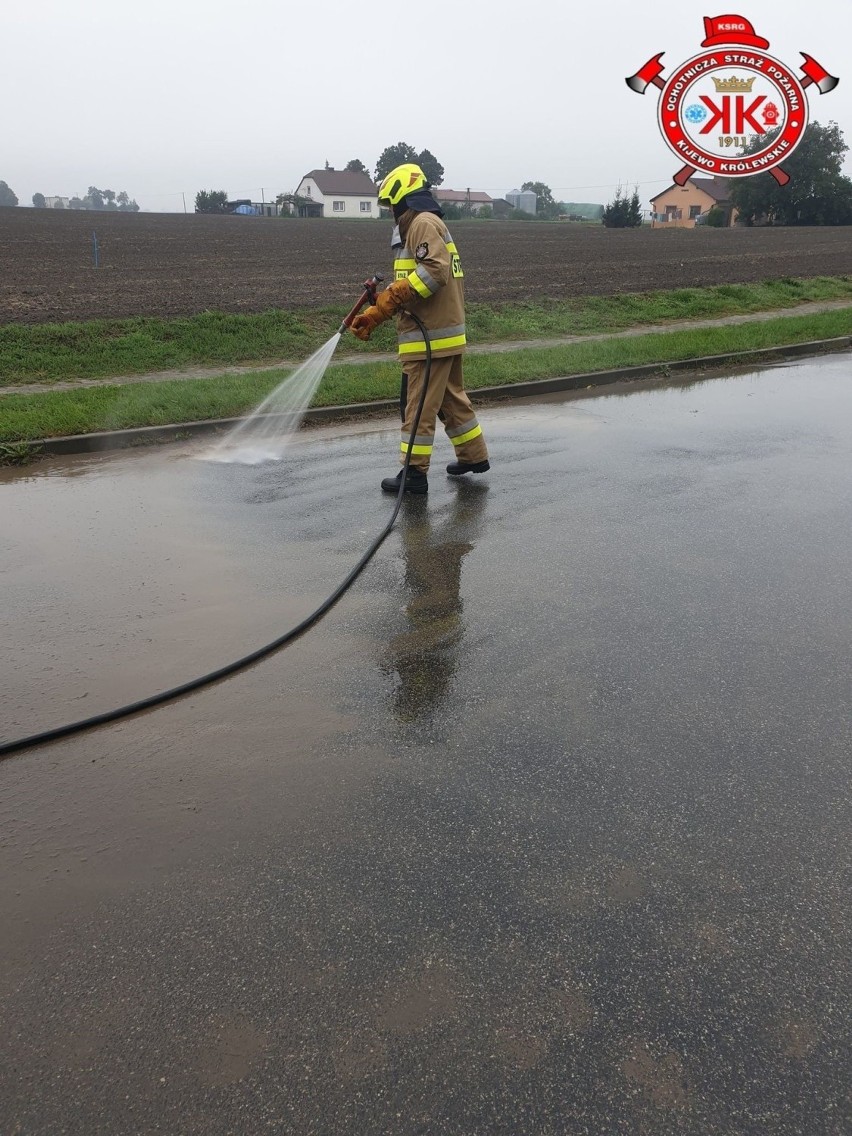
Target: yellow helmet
(400,182)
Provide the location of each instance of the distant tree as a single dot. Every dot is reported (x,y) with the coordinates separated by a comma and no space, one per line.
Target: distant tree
(356,166)
(715,217)
(430,166)
(39,201)
(521,215)
(291,203)
(211,201)
(94,198)
(818,192)
(393,156)
(126,204)
(59,203)
(7,195)
(453,212)
(545,206)
(623,212)
(76,203)
(109,199)
(485,212)
(634,210)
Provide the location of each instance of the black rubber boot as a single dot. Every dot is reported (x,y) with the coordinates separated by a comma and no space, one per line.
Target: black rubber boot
(416,482)
(456,469)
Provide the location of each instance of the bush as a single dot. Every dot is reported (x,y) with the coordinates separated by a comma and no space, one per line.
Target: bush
(211,201)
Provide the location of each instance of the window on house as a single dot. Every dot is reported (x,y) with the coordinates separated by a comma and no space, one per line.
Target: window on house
(366,207)
(338,206)
(307,191)
(694,211)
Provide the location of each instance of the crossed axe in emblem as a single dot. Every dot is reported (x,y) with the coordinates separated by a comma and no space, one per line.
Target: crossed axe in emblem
(651,73)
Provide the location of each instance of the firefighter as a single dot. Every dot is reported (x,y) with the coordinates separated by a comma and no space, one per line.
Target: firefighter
(428,281)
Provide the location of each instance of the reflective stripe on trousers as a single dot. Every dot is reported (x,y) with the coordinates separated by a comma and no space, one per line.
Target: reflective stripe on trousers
(459,435)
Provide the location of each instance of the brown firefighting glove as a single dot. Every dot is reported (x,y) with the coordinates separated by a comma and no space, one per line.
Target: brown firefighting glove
(394,297)
(387,304)
(363,326)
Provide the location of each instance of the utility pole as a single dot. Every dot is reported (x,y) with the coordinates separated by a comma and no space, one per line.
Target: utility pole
(183,195)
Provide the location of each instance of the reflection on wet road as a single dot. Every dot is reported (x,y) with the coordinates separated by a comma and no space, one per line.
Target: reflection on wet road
(544,829)
(424,655)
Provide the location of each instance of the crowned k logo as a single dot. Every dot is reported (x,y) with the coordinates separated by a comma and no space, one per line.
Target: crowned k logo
(729,98)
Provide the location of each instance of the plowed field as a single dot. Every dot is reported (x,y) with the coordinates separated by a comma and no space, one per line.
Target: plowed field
(171,264)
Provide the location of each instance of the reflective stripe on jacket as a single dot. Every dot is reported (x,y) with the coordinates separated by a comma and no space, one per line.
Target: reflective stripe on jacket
(429,260)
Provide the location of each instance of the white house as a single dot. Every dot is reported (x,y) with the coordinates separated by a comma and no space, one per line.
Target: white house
(338,193)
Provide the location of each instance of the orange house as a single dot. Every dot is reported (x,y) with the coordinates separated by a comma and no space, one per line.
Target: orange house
(681,206)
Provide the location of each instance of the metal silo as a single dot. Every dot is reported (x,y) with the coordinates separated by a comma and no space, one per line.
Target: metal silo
(523,199)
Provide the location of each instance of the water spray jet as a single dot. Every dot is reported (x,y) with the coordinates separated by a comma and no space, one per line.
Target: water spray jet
(265,433)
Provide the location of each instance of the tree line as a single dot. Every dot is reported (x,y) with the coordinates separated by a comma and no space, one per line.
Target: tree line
(106,200)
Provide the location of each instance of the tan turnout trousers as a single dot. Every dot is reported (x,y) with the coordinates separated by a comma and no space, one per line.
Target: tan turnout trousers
(445,399)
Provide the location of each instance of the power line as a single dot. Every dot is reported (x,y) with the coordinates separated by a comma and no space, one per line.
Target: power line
(602,185)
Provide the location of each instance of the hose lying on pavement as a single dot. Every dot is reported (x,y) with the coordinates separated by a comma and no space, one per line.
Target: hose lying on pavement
(8,748)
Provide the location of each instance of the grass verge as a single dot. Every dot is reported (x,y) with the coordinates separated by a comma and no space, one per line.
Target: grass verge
(85,410)
(106,348)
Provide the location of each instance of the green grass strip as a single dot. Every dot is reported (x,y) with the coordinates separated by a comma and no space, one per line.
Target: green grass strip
(107,348)
(162,403)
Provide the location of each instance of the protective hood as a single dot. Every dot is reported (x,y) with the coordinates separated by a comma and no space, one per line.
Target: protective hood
(421,201)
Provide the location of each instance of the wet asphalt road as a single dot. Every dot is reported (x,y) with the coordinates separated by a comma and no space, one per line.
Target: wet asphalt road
(545,828)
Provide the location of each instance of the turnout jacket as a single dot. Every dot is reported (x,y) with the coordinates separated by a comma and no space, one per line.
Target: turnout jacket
(425,254)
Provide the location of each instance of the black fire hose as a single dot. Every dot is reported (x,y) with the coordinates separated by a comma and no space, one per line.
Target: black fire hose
(8,748)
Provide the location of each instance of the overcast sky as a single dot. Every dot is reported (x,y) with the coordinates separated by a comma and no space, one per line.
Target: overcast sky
(170,96)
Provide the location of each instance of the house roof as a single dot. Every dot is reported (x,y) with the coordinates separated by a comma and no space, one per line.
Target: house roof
(717,188)
(461,196)
(343,182)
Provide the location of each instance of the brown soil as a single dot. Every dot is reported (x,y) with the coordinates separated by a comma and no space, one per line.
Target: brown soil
(171,264)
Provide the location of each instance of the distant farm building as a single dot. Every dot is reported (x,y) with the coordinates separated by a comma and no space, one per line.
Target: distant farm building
(469,200)
(523,199)
(682,206)
(344,194)
(246,208)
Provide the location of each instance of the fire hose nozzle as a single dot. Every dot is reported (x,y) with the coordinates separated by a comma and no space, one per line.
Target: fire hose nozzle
(368,296)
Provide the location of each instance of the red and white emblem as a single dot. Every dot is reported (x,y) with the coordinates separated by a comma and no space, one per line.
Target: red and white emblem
(730,97)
